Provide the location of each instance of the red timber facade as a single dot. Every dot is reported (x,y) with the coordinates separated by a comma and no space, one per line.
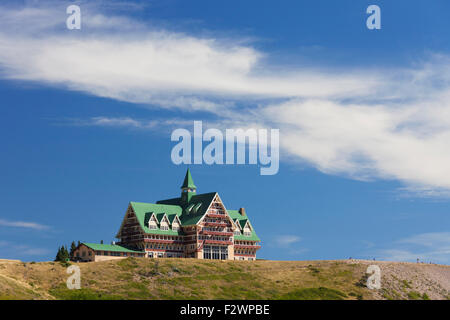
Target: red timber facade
(191,226)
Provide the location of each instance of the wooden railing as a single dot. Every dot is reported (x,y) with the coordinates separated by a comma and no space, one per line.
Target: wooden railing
(217,242)
(244,246)
(216,233)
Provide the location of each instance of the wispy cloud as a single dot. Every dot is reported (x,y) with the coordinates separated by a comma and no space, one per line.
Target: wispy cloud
(286,240)
(23,224)
(427,247)
(356,122)
(16,250)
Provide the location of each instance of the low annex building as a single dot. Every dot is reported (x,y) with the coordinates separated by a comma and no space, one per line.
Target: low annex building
(191,226)
(99,252)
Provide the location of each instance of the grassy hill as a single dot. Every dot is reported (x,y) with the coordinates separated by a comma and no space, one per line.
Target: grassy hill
(137,278)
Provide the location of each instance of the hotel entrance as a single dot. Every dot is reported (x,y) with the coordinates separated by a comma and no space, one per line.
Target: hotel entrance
(215,252)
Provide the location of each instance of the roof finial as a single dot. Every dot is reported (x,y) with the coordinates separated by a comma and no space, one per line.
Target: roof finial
(188,181)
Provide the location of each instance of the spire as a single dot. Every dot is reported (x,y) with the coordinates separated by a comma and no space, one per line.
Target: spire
(188,181)
(188,189)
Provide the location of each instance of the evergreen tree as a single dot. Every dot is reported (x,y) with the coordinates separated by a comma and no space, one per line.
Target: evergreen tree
(72,249)
(101,241)
(58,255)
(65,253)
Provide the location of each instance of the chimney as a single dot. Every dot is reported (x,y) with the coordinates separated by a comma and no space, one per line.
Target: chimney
(242,211)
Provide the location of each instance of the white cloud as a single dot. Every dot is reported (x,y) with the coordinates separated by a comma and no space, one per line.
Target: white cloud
(431,239)
(409,143)
(427,247)
(13,249)
(126,122)
(361,123)
(23,224)
(287,240)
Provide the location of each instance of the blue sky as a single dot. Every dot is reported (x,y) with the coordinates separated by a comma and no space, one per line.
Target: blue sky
(86,118)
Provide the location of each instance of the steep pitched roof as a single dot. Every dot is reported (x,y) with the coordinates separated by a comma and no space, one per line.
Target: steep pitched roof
(199,201)
(234,214)
(172,207)
(144,211)
(188,181)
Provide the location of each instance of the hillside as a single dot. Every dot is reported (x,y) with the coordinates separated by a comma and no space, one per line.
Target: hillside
(206,279)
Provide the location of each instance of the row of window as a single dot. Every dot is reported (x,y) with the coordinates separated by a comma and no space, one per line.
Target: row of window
(116,254)
(214,238)
(168,255)
(152,226)
(217,229)
(163,246)
(243,251)
(243,258)
(160,237)
(245,243)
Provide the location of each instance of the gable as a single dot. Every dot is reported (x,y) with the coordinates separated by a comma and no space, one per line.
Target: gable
(201,202)
(243,220)
(162,212)
(129,214)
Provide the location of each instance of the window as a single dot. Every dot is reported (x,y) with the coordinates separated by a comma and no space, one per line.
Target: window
(151,226)
(164,228)
(215,252)
(247,233)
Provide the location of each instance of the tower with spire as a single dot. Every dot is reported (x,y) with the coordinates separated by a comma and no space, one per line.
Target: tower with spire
(188,189)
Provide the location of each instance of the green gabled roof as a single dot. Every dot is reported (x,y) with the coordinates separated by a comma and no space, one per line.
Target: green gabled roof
(144,211)
(234,214)
(109,247)
(172,208)
(159,216)
(171,217)
(193,217)
(190,218)
(188,181)
(172,202)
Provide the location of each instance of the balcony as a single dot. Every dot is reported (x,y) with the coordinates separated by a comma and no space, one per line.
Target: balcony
(216,233)
(245,246)
(207,241)
(162,241)
(216,215)
(216,224)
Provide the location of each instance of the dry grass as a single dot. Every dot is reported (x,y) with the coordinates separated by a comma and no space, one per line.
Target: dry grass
(137,278)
